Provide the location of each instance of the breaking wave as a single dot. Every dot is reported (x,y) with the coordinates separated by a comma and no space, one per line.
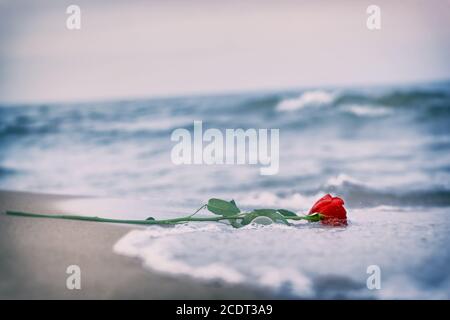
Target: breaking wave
(306,99)
(368,110)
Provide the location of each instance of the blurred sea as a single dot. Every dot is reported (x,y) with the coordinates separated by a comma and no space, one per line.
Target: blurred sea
(385,150)
(374,146)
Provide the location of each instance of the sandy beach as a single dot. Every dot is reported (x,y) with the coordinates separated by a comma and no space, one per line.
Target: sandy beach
(34,255)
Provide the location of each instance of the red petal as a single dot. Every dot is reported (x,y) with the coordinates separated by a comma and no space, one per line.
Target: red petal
(321,203)
(334,210)
(338,201)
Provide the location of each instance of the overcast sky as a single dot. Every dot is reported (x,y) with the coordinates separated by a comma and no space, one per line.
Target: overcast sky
(129,49)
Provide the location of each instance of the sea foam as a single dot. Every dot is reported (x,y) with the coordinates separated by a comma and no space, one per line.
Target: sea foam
(306,260)
(307,99)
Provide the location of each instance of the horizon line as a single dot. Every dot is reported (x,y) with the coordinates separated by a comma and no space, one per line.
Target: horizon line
(230,92)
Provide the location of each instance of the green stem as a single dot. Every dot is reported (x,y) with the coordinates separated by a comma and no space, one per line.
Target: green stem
(139,222)
(142,222)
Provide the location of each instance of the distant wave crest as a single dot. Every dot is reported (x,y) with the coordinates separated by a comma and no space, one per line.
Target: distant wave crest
(367,110)
(307,99)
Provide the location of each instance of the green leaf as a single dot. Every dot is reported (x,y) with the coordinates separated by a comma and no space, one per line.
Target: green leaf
(287,213)
(274,215)
(150,218)
(235,223)
(222,207)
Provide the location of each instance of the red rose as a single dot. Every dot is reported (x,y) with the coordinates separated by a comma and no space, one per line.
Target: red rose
(332,209)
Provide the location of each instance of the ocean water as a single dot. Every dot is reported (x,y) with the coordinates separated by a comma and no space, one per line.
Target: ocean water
(385,150)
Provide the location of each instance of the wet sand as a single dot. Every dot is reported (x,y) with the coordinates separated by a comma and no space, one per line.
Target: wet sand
(35,253)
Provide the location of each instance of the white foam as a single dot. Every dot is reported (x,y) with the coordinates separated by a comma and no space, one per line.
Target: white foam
(157,254)
(295,201)
(307,99)
(291,259)
(144,125)
(342,179)
(410,181)
(367,110)
(213,252)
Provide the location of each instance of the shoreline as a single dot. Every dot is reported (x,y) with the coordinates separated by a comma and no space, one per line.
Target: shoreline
(35,253)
